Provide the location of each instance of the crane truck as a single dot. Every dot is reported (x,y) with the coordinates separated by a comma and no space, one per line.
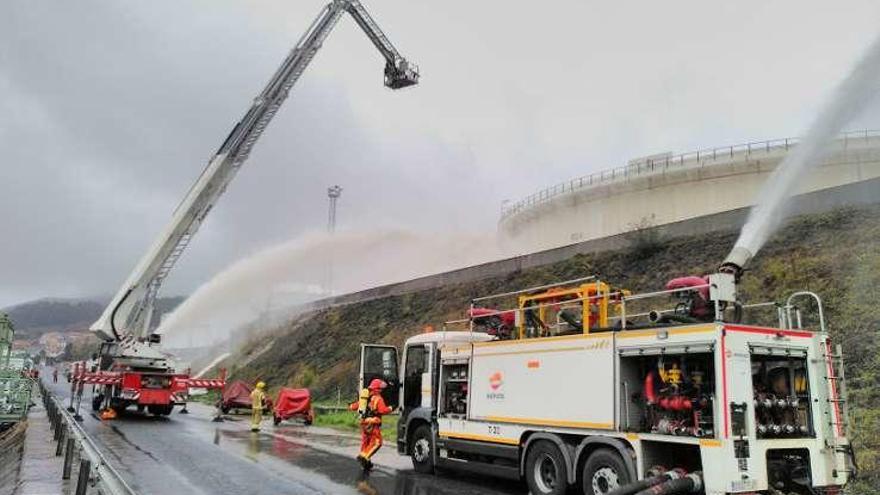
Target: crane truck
(602,390)
(130,369)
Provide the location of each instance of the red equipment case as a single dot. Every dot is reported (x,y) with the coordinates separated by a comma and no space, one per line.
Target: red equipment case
(294,402)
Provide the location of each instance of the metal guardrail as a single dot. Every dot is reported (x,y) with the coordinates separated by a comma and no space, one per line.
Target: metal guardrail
(95,474)
(658,165)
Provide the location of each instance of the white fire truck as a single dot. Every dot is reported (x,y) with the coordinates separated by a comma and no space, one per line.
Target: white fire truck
(592,389)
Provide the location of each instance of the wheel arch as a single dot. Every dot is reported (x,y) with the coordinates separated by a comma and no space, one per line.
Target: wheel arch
(529,438)
(416,418)
(592,443)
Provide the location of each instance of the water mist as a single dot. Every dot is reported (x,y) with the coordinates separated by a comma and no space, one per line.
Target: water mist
(850,96)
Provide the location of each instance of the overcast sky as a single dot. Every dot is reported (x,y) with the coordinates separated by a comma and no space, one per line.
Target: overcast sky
(109,110)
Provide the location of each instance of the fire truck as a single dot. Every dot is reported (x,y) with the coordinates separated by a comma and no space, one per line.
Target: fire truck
(131,369)
(607,391)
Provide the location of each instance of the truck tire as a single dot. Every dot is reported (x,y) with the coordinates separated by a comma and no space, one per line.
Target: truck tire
(603,472)
(546,472)
(97,401)
(422,451)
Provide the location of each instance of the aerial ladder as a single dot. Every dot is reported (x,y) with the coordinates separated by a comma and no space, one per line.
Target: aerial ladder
(125,327)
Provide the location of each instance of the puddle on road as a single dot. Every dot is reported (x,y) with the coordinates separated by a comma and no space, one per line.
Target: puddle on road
(324,438)
(345,470)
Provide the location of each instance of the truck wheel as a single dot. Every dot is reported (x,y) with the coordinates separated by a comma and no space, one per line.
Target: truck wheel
(97,401)
(603,472)
(546,473)
(276,420)
(422,454)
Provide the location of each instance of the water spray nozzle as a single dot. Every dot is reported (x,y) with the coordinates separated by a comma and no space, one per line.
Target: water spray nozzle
(736,261)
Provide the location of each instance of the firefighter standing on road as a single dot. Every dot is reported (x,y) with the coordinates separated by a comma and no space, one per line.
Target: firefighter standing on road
(370,407)
(257,397)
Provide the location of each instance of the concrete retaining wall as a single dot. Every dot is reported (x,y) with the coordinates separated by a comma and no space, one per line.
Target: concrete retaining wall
(854,194)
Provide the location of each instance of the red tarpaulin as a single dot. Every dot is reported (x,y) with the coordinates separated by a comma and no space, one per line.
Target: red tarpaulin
(293,402)
(237,395)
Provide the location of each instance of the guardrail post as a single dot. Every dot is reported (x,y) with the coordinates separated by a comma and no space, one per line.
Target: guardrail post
(60,447)
(56,424)
(68,458)
(82,481)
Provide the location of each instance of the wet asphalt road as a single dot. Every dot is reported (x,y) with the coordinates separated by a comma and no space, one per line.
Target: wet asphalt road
(191,454)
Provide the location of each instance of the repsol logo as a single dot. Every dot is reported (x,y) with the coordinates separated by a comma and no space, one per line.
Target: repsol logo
(496,380)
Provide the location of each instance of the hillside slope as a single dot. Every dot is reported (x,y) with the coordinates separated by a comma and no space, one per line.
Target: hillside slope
(836,254)
(34,318)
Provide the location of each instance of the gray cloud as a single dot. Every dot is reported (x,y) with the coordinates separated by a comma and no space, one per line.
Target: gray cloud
(109,110)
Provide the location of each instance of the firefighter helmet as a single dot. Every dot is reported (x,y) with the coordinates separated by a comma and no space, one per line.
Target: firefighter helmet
(377,384)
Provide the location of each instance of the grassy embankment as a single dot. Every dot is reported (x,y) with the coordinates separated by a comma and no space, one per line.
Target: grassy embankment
(836,254)
(348,421)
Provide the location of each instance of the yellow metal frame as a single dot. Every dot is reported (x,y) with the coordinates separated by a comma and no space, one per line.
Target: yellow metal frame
(594,298)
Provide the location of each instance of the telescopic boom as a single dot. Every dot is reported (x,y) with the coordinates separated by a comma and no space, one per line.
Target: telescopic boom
(130,311)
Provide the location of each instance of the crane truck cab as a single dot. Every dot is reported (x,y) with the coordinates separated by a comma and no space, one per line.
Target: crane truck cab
(726,407)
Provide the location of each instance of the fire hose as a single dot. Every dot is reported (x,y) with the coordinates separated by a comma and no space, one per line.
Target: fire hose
(669,483)
(690,483)
(640,485)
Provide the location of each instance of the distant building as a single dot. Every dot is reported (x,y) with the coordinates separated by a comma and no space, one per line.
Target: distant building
(53,344)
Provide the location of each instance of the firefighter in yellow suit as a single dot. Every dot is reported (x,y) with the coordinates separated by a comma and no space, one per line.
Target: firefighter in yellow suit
(257,398)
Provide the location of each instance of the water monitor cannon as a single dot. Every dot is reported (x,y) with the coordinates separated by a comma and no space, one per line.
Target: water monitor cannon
(700,298)
(736,262)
